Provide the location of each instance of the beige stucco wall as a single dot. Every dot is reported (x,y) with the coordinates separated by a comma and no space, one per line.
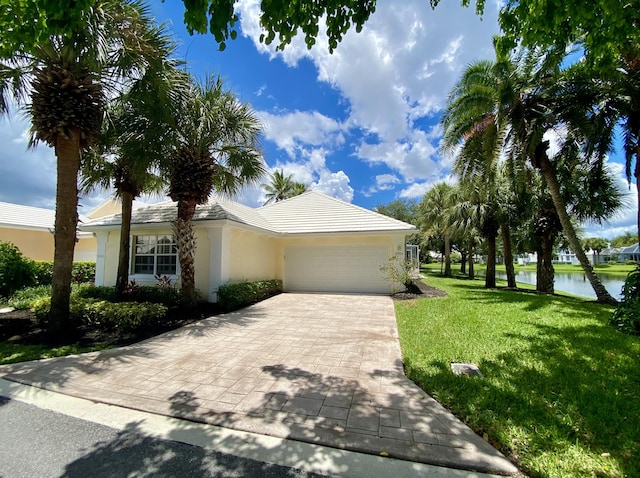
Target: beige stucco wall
(252,257)
(38,245)
(34,244)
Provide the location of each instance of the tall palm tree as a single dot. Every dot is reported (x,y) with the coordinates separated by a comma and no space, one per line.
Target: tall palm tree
(282,187)
(63,84)
(134,143)
(216,148)
(434,210)
(517,102)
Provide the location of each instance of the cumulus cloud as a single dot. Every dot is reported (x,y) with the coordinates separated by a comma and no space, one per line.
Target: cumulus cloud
(289,131)
(398,70)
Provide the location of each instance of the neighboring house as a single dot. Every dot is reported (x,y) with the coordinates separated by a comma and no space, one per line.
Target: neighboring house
(312,242)
(31,230)
(630,253)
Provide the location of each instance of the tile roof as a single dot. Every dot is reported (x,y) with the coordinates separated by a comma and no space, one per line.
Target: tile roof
(309,213)
(28,217)
(313,212)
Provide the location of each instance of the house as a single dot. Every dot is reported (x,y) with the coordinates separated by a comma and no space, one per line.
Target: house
(630,253)
(31,230)
(312,242)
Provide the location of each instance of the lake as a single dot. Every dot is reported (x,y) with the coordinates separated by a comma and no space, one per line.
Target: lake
(574,282)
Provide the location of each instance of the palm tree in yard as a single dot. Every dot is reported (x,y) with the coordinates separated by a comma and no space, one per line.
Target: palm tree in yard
(63,84)
(520,103)
(434,212)
(215,149)
(133,143)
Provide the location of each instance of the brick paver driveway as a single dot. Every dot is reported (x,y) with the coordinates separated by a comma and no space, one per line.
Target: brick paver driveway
(318,368)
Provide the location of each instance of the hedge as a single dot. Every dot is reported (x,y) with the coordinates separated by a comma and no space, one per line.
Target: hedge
(235,296)
(82,272)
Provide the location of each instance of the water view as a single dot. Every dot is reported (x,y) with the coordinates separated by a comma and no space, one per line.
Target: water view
(573,282)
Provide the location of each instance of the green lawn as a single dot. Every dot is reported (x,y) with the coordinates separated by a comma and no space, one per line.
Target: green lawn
(13,353)
(561,392)
(613,269)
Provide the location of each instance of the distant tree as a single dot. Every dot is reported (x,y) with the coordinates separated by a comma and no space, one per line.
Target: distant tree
(281,187)
(434,211)
(629,238)
(405,210)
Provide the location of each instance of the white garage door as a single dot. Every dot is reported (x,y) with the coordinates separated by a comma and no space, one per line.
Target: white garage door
(336,269)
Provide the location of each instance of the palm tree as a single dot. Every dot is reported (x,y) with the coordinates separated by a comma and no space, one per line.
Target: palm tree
(133,143)
(515,102)
(282,187)
(63,84)
(215,149)
(434,213)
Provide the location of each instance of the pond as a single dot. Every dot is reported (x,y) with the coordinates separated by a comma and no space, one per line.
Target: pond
(574,282)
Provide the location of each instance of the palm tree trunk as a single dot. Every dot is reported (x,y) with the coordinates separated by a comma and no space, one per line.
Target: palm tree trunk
(186,241)
(463,262)
(545,275)
(472,274)
(447,255)
(125,245)
(490,274)
(548,172)
(66,221)
(508,256)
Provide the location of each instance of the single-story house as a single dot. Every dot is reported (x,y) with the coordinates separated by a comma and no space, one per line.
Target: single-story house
(31,230)
(312,242)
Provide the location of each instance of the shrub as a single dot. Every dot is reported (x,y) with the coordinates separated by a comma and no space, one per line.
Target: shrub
(234,296)
(105,315)
(81,273)
(630,262)
(24,298)
(626,317)
(398,271)
(89,291)
(16,271)
(124,316)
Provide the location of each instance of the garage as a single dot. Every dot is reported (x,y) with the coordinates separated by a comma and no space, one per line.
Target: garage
(336,268)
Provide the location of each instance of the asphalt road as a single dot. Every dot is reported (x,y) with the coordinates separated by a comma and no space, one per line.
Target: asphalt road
(40,443)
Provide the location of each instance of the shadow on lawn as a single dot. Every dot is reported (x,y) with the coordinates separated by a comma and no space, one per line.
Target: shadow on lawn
(573,386)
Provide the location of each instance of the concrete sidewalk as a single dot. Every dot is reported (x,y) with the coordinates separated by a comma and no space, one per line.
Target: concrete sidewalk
(323,369)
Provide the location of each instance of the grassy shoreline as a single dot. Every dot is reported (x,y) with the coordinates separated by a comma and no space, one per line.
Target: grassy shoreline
(561,393)
(612,269)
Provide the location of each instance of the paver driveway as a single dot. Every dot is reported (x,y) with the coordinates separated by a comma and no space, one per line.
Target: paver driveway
(313,367)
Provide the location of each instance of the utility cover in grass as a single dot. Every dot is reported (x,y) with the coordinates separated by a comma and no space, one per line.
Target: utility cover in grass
(467,369)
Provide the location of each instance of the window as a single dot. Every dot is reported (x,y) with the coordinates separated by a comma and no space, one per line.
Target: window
(155,255)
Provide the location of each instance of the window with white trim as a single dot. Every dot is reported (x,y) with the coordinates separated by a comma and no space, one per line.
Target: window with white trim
(155,255)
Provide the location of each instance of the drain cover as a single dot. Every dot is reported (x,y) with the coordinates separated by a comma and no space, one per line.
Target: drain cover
(467,369)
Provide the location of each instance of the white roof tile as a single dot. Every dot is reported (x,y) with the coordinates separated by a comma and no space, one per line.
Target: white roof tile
(313,212)
(309,213)
(28,217)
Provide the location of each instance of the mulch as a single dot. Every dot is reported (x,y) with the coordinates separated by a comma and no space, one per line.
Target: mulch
(419,290)
(21,327)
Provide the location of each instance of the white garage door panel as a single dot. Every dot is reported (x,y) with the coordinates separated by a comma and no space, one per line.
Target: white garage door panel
(336,269)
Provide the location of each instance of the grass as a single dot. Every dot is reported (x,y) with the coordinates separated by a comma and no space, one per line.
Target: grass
(13,353)
(561,393)
(612,269)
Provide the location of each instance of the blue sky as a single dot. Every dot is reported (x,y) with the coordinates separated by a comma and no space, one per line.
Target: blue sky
(360,125)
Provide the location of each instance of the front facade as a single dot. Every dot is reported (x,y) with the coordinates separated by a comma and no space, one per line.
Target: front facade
(312,242)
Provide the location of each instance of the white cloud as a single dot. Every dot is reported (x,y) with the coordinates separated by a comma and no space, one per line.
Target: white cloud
(385,182)
(397,71)
(290,131)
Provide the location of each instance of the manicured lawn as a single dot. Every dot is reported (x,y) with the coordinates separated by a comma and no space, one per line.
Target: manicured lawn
(561,392)
(13,353)
(613,269)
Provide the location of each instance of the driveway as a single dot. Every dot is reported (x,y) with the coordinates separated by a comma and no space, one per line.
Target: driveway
(318,368)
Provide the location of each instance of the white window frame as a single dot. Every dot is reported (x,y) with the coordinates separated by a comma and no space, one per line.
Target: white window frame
(151,277)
